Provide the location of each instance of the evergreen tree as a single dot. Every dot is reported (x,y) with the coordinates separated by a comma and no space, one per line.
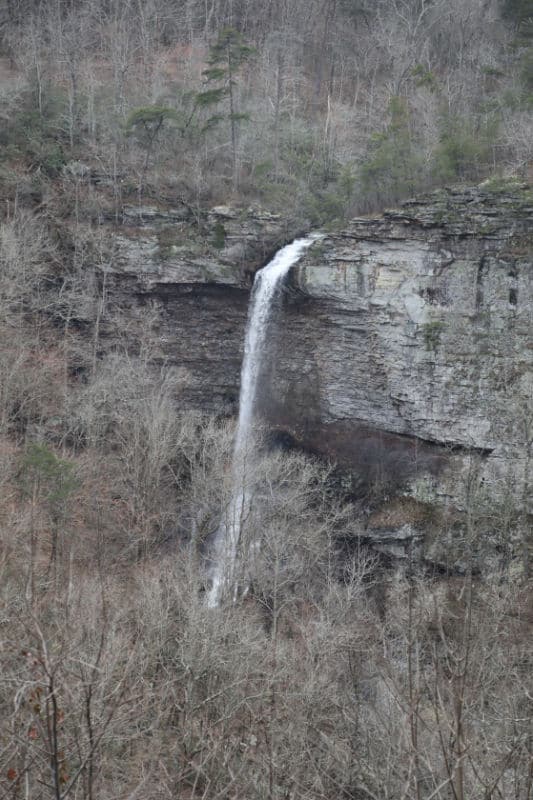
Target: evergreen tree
(146,124)
(226,57)
(391,167)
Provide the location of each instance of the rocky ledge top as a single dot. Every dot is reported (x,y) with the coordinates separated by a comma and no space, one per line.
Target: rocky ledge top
(225,245)
(463,211)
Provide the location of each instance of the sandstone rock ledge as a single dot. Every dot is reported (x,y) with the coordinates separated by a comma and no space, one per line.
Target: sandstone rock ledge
(183,282)
(406,353)
(403,351)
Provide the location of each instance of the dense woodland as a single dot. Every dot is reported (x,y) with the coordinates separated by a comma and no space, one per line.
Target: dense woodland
(334,675)
(330,105)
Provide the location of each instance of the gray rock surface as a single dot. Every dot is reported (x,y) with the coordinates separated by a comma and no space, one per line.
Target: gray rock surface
(403,351)
(406,349)
(181,285)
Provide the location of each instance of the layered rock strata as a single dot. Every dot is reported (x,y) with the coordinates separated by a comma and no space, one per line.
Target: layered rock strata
(183,284)
(408,350)
(403,351)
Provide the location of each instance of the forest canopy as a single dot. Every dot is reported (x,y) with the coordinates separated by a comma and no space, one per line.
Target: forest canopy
(333,106)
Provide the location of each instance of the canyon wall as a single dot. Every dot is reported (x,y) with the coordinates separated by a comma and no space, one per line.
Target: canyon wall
(403,349)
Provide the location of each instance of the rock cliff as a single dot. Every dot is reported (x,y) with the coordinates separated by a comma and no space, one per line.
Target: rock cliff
(408,354)
(403,351)
(183,284)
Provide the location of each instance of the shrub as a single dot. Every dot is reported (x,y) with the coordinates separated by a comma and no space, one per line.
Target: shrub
(465,147)
(35,133)
(392,166)
(432,333)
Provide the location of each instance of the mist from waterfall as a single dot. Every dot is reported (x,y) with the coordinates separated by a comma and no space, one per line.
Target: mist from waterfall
(267,282)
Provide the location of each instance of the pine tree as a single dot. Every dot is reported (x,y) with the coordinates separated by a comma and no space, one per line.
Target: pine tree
(226,57)
(146,123)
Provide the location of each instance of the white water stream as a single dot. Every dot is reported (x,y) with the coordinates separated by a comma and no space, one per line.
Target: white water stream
(267,281)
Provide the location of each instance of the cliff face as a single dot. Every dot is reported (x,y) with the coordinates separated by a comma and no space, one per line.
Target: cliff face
(183,285)
(408,350)
(403,350)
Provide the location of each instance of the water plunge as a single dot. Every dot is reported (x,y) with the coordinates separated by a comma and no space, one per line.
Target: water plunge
(267,282)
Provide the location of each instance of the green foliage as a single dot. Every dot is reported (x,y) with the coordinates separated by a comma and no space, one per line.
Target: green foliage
(35,135)
(520,14)
(215,74)
(492,72)
(239,117)
(308,178)
(347,181)
(147,121)
(465,147)
(298,152)
(457,152)
(150,115)
(146,124)
(212,122)
(331,203)
(392,165)
(424,78)
(226,56)
(47,156)
(219,236)
(500,185)
(432,332)
(229,52)
(324,206)
(401,157)
(53,476)
(211,97)
(262,170)
(517,10)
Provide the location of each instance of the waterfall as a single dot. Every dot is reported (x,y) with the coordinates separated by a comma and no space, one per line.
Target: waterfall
(267,281)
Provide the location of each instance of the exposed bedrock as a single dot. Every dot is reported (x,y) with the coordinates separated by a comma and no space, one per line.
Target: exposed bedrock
(403,350)
(182,285)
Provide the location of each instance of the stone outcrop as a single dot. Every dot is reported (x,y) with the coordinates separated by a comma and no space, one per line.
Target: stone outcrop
(406,350)
(403,351)
(222,246)
(184,283)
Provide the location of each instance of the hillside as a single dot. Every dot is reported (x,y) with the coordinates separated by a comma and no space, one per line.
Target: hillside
(323,107)
(375,637)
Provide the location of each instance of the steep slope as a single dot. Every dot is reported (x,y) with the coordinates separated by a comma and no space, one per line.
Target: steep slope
(404,350)
(408,349)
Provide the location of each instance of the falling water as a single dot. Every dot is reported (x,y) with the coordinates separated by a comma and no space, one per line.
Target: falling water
(267,281)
